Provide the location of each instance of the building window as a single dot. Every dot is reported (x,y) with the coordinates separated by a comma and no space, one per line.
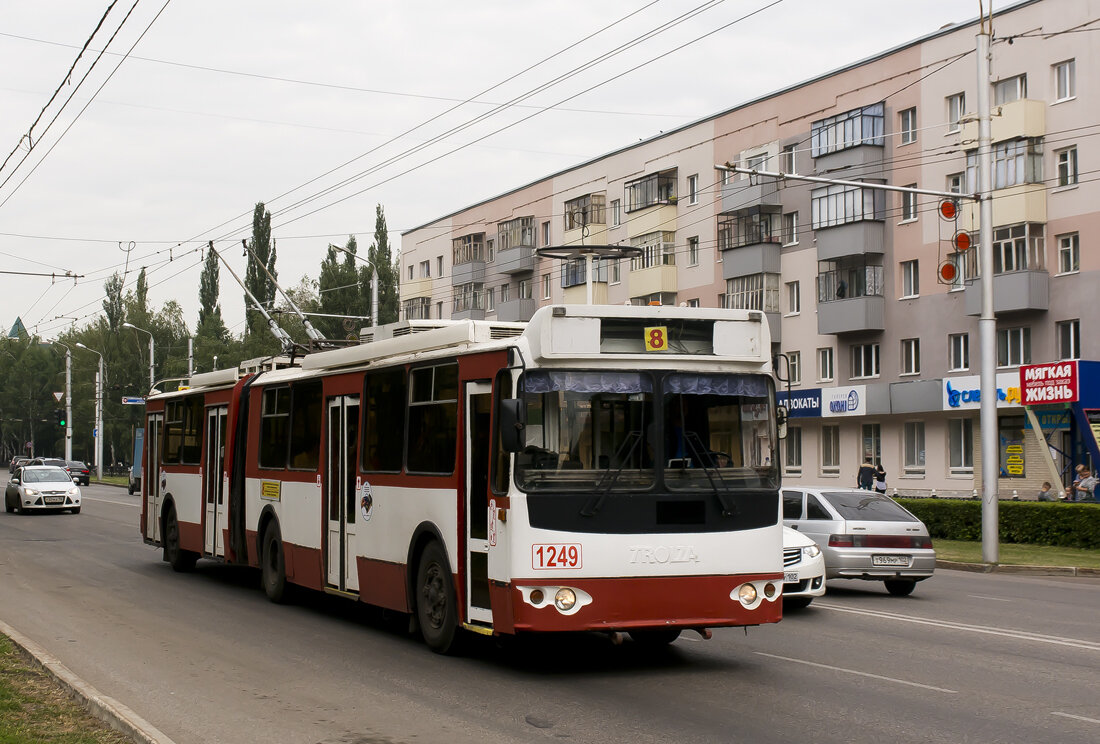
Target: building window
(693,189)
(1069,253)
(411,270)
(468,297)
(1013,347)
(872,442)
(966,268)
(956,107)
(616,212)
(1065,80)
(439,265)
(1014,162)
(909,204)
(958,351)
(790,228)
(955,182)
(794,367)
(505,292)
(490,304)
(1067,166)
(438,310)
(490,250)
(839,205)
(546,286)
(1018,248)
(825,364)
(1069,339)
(1009,90)
(908,125)
(794,298)
(786,159)
(913,434)
(910,279)
(960,446)
(838,283)
(865,361)
(468,249)
(693,251)
(658,249)
(546,233)
(586,210)
(792,457)
(753,292)
(516,233)
(862,126)
(616,271)
(830,450)
(910,356)
(425,269)
(656,188)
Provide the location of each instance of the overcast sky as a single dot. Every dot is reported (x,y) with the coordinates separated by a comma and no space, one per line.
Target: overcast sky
(220,105)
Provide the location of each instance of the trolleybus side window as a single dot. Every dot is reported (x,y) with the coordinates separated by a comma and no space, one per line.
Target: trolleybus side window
(274,427)
(502,461)
(433,420)
(183,431)
(305,426)
(384,421)
(173,432)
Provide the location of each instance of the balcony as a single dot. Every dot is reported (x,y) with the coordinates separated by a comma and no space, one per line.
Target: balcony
(851,239)
(416,288)
(1022,118)
(743,193)
(578,294)
(1026,202)
(1016,291)
(754,258)
(517,260)
(656,218)
(850,300)
(519,310)
(861,161)
(653,280)
(471,272)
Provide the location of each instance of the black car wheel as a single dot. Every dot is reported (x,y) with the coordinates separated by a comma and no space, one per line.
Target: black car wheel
(900,587)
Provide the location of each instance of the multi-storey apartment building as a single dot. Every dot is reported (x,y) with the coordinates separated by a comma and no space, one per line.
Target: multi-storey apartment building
(881,350)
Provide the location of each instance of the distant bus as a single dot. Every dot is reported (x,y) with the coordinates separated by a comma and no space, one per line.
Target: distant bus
(599,468)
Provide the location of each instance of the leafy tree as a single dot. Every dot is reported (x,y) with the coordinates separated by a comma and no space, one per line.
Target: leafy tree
(210,309)
(112,303)
(382,257)
(341,289)
(258,338)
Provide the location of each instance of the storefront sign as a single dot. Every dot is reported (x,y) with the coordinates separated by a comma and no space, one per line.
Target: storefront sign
(960,393)
(844,401)
(1051,420)
(1048,383)
(801,403)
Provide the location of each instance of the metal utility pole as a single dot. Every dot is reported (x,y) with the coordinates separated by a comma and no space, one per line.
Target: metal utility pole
(987,323)
(68,403)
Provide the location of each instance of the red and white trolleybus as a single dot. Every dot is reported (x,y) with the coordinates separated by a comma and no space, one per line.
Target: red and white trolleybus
(608,468)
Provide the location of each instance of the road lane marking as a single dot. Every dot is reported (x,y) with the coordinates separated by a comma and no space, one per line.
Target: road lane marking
(858,673)
(1076,718)
(992,599)
(109,501)
(1022,635)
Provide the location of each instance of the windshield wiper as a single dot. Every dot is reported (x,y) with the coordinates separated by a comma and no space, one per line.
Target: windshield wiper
(701,456)
(607,480)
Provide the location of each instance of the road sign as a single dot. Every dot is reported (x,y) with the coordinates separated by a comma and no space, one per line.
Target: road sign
(133,400)
(59,396)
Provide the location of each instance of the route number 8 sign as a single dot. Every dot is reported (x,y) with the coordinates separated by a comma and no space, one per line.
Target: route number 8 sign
(656,338)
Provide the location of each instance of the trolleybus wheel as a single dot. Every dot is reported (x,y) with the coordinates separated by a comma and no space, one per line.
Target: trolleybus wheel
(274,565)
(436,609)
(179,559)
(655,638)
(900,587)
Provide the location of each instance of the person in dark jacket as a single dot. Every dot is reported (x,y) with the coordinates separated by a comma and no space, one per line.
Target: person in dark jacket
(865,479)
(880,479)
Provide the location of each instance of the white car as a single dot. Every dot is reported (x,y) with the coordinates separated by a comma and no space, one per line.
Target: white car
(34,487)
(803,570)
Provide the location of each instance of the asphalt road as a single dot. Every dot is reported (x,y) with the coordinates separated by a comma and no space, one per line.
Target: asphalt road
(206,658)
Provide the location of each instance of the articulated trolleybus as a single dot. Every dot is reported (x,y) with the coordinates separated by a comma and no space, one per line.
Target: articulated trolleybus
(599,468)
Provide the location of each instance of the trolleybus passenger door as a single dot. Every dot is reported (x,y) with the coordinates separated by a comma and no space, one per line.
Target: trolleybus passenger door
(341,502)
(213,484)
(479,397)
(150,476)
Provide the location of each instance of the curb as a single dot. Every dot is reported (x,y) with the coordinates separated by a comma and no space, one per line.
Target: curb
(110,711)
(1015,569)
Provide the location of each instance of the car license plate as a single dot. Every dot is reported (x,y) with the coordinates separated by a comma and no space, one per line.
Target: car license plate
(790,577)
(890,560)
(53,499)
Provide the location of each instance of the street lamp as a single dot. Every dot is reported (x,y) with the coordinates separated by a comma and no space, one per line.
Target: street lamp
(152,378)
(373,282)
(68,398)
(99,385)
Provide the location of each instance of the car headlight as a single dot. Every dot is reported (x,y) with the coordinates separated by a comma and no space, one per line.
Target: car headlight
(74,491)
(30,492)
(811,551)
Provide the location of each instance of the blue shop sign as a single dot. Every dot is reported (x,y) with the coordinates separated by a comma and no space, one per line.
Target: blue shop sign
(801,403)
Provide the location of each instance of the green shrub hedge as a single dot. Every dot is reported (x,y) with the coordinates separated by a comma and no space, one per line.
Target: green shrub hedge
(1040,523)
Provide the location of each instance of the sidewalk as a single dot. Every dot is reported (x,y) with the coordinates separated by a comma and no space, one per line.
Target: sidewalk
(1017,569)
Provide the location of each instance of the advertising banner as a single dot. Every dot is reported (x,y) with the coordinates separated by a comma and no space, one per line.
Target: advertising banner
(1048,383)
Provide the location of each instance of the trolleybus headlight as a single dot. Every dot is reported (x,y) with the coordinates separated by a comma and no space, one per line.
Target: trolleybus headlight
(747,594)
(537,596)
(565,599)
(769,590)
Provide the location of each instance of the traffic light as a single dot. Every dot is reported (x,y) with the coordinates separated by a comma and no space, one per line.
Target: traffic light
(61,420)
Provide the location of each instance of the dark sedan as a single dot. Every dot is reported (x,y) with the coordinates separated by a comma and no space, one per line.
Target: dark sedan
(80,472)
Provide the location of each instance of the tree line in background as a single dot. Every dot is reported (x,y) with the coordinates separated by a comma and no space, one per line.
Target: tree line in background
(32,369)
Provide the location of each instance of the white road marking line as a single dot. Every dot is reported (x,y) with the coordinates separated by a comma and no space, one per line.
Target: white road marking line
(1017,634)
(858,673)
(1078,718)
(109,501)
(992,599)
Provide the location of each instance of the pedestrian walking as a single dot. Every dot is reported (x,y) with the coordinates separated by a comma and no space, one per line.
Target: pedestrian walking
(865,478)
(1045,494)
(880,479)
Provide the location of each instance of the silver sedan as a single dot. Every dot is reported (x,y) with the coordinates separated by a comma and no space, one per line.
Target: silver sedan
(35,487)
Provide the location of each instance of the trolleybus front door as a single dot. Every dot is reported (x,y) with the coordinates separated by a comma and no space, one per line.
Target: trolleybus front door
(478,404)
(340,492)
(150,476)
(213,484)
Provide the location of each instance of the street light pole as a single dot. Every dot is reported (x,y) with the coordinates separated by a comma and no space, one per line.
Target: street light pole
(152,377)
(99,385)
(373,282)
(68,399)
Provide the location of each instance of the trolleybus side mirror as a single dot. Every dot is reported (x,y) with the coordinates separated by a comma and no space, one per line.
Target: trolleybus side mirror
(781,421)
(513,420)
